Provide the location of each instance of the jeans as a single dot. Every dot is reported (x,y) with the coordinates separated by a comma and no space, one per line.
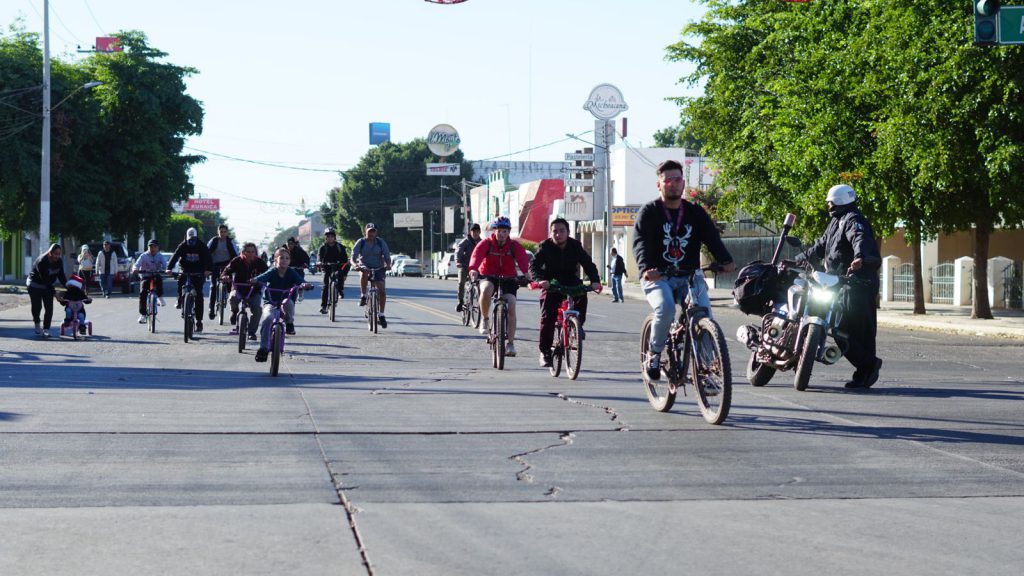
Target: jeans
(617,287)
(662,295)
(268,319)
(107,283)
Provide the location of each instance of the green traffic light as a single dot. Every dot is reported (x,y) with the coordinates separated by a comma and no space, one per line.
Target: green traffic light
(987,7)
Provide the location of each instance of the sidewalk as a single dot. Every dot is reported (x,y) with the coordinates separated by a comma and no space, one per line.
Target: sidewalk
(939,317)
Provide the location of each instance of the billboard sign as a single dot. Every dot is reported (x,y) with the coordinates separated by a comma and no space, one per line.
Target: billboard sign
(605,102)
(202,205)
(443,140)
(108,44)
(408,219)
(444,169)
(579,205)
(380,132)
(624,215)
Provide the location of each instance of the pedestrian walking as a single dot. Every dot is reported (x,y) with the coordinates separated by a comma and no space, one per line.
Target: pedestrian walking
(106,267)
(617,268)
(86,264)
(47,270)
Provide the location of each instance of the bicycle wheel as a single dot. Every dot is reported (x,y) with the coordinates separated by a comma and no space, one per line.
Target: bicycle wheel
(660,393)
(474,310)
(373,312)
(151,312)
(190,311)
(276,346)
(467,307)
(712,372)
(499,327)
(574,350)
(243,330)
(333,296)
(557,352)
(222,297)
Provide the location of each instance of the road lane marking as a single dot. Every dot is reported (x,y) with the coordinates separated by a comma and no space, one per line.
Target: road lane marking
(434,311)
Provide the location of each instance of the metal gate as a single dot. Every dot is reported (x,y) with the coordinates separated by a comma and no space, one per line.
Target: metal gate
(942,283)
(903,283)
(1013,287)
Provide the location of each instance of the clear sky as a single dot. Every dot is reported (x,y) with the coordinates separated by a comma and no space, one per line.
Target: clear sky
(297,83)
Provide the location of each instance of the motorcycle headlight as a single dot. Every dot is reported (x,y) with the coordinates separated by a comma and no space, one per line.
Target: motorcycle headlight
(821,295)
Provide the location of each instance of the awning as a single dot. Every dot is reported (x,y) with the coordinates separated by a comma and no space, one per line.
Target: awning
(590,226)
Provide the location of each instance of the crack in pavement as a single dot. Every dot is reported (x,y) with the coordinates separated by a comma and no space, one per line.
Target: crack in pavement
(524,474)
(623,427)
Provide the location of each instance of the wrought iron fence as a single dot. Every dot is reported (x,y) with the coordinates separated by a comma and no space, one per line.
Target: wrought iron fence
(903,283)
(1013,287)
(943,283)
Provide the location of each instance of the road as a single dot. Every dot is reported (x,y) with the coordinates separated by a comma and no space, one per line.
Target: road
(406,453)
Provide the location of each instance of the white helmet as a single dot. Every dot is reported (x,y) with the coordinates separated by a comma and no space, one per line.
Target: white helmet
(841,195)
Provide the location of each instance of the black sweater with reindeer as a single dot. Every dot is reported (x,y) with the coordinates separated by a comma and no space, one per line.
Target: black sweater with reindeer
(664,237)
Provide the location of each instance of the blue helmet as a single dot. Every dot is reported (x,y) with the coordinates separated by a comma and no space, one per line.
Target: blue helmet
(501,222)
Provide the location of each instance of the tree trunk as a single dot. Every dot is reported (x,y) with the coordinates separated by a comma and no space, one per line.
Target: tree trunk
(915,248)
(981,308)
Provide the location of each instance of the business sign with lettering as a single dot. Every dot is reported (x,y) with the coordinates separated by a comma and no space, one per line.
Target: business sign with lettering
(443,169)
(605,102)
(443,140)
(408,219)
(624,215)
(202,205)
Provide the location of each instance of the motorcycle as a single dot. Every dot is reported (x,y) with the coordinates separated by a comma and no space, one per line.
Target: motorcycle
(801,308)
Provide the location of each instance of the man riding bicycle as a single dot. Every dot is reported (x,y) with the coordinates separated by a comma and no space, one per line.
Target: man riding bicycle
(465,250)
(374,259)
(149,264)
(243,270)
(331,257)
(560,258)
(195,262)
(496,257)
(280,278)
(668,235)
(299,257)
(222,250)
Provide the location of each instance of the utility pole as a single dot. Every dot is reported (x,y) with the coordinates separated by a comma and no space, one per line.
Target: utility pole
(44,180)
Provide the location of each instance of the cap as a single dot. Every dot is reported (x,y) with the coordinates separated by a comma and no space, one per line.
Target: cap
(475,226)
(371,226)
(153,242)
(191,233)
(329,232)
(841,195)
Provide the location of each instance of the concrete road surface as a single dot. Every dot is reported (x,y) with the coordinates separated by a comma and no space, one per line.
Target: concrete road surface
(404,452)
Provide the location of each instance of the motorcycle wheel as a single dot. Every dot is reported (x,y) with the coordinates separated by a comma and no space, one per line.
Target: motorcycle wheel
(758,374)
(808,351)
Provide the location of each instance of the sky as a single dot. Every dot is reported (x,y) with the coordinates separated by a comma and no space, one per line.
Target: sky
(297,83)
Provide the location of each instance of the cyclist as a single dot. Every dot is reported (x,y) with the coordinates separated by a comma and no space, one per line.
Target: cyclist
(560,258)
(493,257)
(150,263)
(372,253)
(462,255)
(330,258)
(195,262)
(280,277)
(243,270)
(668,234)
(299,257)
(222,250)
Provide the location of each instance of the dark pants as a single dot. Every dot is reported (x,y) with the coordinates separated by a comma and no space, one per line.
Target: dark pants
(549,314)
(41,298)
(216,285)
(859,327)
(463,278)
(197,282)
(338,277)
(255,309)
(144,292)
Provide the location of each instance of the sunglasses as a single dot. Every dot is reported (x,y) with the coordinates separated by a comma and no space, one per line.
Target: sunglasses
(669,179)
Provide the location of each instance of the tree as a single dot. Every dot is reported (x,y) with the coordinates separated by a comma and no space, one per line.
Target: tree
(176,229)
(677,137)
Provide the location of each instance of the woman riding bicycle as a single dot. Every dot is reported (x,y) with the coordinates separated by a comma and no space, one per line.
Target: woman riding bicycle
(495,260)
(559,258)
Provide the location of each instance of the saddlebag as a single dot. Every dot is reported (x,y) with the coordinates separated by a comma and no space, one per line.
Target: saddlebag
(756,287)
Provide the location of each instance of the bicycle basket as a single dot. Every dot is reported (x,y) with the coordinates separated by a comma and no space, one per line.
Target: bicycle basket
(755,287)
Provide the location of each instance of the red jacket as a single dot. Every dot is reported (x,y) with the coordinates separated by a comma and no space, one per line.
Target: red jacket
(490,259)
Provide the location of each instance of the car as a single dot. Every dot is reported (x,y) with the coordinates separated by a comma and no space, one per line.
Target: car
(448,267)
(395,259)
(408,267)
(124,265)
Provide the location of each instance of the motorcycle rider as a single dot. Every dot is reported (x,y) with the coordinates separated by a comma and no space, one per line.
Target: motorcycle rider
(668,233)
(848,247)
(462,255)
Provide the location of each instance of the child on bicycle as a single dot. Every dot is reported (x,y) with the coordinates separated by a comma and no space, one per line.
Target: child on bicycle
(74,300)
(244,269)
(149,264)
(494,258)
(280,278)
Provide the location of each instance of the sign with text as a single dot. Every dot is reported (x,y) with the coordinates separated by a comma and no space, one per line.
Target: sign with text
(434,169)
(443,140)
(202,205)
(408,219)
(579,182)
(624,215)
(1011,25)
(380,132)
(605,102)
(577,157)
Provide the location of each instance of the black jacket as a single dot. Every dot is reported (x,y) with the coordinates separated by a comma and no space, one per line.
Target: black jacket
(465,250)
(194,257)
(300,259)
(45,274)
(328,254)
(562,264)
(658,245)
(848,236)
(617,266)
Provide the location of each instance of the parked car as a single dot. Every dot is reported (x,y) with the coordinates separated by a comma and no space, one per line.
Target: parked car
(448,267)
(124,265)
(395,259)
(408,267)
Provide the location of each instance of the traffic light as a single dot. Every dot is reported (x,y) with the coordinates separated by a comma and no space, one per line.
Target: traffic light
(986,22)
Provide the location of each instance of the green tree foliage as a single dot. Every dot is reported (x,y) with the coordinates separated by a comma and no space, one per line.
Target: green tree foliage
(677,137)
(178,226)
(378,186)
(890,96)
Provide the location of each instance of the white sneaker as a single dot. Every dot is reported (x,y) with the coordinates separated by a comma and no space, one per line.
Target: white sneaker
(510,350)
(142,319)
(47,333)
(485,326)
(161,301)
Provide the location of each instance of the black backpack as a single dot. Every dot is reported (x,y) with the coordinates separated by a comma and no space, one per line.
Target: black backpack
(756,287)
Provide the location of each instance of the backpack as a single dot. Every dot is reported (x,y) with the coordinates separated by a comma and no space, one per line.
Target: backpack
(756,287)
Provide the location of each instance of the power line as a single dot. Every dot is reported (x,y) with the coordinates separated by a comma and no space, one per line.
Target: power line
(89,8)
(263,163)
(61,20)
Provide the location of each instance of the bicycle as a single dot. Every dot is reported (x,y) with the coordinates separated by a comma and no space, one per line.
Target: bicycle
(74,325)
(219,296)
(278,328)
(497,336)
(242,320)
(471,304)
(331,270)
(152,302)
(188,308)
(568,342)
(696,341)
(372,308)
